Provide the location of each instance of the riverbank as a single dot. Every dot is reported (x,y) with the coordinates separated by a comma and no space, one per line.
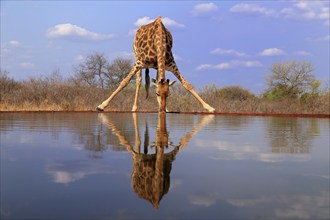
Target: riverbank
(191,113)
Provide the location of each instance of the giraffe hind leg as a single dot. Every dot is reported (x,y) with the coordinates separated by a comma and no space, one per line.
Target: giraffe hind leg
(138,84)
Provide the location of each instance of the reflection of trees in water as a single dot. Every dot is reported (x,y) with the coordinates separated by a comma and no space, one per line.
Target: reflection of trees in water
(233,122)
(286,135)
(292,135)
(96,137)
(85,128)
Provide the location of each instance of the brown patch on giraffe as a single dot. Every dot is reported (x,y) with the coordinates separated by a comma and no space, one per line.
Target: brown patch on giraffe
(151,53)
(147,50)
(168,56)
(145,38)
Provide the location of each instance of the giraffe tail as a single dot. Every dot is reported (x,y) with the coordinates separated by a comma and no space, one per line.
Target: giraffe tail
(147,79)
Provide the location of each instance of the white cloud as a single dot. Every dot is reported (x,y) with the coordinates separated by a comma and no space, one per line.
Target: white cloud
(226,65)
(68,172)
(202,200)
(302,53)
(204,9)
(308,10)
(253,9)
(143,21)
(26,65)
(80,57)
(272,52)
(230,52)
(168,22)
(231,151)
(239,202)
(300,206)
(14,43)
(316,39)
(230,65)
(67,177)
(251,63)
(171,23)
(73,31)
(204,66)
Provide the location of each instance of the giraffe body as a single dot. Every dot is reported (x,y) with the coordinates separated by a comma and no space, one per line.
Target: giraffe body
(153,49)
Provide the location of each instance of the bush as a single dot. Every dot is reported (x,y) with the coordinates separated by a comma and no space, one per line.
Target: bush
(235,93)
(7,85)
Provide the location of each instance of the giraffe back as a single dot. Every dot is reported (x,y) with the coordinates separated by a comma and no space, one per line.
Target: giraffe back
(151,41)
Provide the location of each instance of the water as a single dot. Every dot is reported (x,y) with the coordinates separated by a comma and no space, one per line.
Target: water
(110,166)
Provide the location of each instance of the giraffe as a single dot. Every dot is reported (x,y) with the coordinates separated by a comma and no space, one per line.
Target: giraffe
(153,49)
(151,171)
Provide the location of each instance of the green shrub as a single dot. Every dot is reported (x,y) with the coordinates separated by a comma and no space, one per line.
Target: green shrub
(235,93)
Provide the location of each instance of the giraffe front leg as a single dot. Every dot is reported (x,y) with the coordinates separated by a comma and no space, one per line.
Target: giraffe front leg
(174,69)
(189,87)
(138,84)
(122,85)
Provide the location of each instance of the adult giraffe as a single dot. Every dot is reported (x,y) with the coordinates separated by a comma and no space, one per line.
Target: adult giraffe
(153,49)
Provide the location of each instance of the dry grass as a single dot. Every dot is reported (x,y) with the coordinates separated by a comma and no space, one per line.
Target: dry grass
(56,94)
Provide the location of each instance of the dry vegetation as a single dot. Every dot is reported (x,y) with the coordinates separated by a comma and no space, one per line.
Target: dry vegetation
(83,92)
(56,94)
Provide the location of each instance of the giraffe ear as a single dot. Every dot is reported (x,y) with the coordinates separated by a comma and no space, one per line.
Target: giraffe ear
(154,82)
(171,83)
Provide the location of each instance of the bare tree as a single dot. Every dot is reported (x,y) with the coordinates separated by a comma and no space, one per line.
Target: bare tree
(118,70)
(97,71)
(7,84)
(290,79)
(93,70)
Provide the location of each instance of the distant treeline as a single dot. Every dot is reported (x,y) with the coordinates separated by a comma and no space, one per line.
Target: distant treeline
(291,88)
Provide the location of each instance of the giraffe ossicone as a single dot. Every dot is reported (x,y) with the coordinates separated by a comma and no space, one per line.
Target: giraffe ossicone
(153,49)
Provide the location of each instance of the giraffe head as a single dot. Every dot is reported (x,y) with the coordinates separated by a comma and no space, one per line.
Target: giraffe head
(162,92)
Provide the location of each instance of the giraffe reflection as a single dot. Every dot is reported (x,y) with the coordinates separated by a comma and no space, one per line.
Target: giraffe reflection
(151,171)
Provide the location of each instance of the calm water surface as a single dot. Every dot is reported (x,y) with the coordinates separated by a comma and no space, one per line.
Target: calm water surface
(111,165)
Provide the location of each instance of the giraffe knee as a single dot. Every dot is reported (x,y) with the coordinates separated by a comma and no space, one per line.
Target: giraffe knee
(123,83)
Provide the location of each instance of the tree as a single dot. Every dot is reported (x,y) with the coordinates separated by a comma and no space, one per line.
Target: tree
(7,84)
(97,71)
(290,79)
(118,70)
(93,71)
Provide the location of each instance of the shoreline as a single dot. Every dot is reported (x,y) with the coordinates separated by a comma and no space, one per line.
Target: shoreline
(291,115)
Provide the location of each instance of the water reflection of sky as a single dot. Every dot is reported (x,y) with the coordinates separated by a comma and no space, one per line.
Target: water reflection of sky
(230,167)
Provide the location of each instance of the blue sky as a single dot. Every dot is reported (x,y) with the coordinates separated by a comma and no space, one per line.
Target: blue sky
(222,43)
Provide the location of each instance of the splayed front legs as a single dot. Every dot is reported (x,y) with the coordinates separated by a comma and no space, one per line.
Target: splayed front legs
(136,68)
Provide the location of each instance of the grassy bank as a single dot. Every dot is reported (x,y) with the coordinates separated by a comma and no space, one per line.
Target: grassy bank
(56,94)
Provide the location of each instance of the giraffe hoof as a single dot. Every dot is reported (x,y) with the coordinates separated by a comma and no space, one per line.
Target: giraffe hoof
(99,109)
(212,110)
